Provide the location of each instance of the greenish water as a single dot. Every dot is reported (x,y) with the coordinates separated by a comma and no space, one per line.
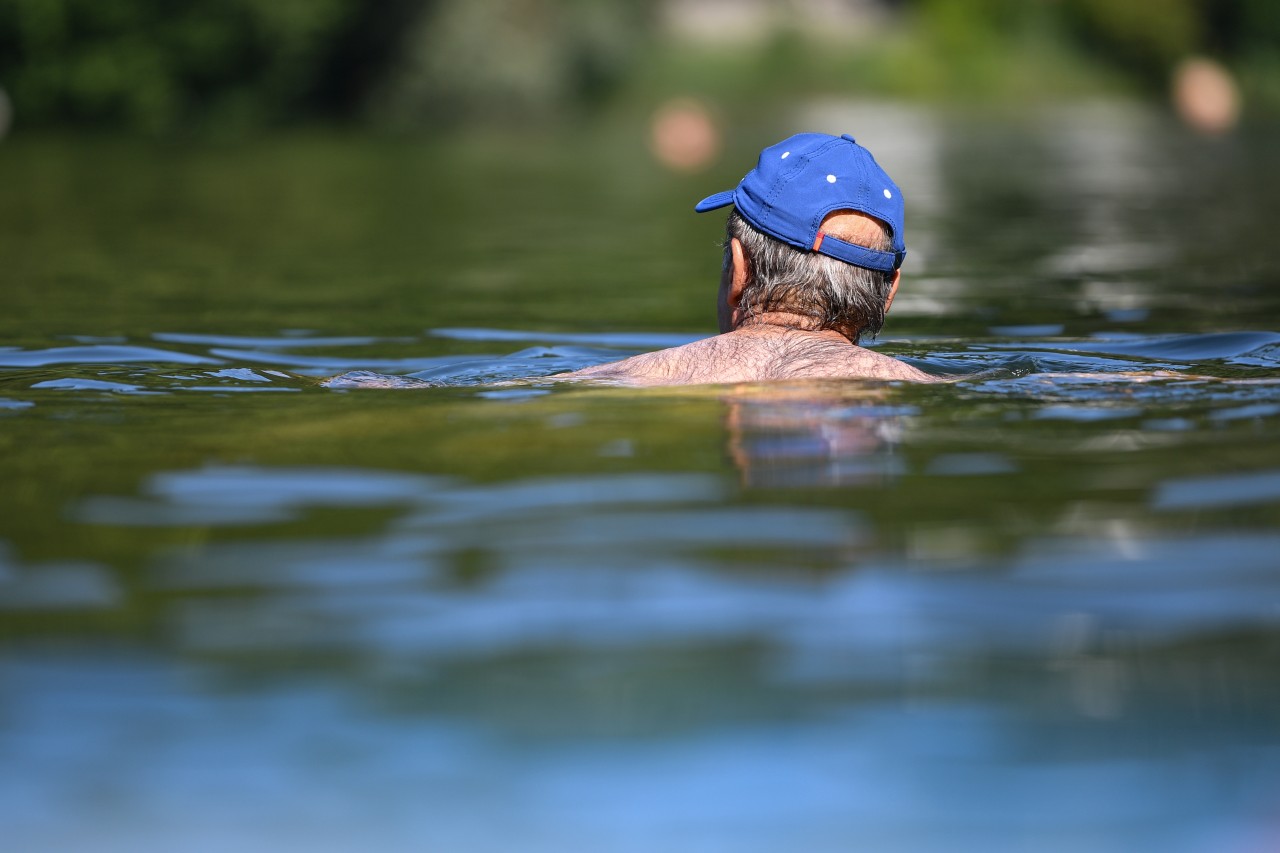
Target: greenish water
(1038,608)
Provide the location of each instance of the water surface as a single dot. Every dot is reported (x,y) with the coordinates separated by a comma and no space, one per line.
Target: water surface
(1036,608)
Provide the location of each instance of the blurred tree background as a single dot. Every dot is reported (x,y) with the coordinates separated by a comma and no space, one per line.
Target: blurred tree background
(160,67)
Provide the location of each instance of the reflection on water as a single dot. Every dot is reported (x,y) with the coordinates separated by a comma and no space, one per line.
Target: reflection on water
(246,604)
(815,436)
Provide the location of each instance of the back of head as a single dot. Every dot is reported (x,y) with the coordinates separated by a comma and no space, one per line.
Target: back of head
(821,225)
(830,293)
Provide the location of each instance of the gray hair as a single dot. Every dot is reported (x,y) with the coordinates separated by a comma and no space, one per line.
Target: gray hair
(834,294)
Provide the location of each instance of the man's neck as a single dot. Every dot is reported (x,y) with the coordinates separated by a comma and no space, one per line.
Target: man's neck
(773,322)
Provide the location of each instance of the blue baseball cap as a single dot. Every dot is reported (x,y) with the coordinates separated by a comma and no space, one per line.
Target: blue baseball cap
(803,178)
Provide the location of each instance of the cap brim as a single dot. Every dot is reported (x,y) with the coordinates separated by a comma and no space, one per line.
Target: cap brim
(712,202)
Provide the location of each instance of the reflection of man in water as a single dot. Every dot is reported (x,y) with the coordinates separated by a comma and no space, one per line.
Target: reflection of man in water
(812,254)
(828,434)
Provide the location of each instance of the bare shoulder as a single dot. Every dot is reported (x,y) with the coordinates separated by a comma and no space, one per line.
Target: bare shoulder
(692,363)
(811,356)
(856,361)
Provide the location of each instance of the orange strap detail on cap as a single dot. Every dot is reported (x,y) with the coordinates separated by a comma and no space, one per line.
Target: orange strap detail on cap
(817,244)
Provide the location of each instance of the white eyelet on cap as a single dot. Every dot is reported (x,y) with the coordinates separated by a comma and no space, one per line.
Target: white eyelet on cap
(786,154)
(888,194)
(831,179)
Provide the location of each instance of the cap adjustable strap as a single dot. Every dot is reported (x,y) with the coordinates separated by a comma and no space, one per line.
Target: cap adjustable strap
(859,256)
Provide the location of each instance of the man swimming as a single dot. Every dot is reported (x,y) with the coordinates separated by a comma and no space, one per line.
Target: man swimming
(812,256)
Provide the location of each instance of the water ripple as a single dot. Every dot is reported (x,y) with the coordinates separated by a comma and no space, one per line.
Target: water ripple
(1255,487)
(102,354)
(281,342)
(638,340)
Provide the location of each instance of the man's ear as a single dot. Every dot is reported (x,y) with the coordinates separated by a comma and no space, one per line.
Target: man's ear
(893,290)
(738,272)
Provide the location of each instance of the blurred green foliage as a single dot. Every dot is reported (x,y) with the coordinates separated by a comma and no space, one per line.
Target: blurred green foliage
(159,66)
(151,65)
(1149,36)
(465,60)
(156,66)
